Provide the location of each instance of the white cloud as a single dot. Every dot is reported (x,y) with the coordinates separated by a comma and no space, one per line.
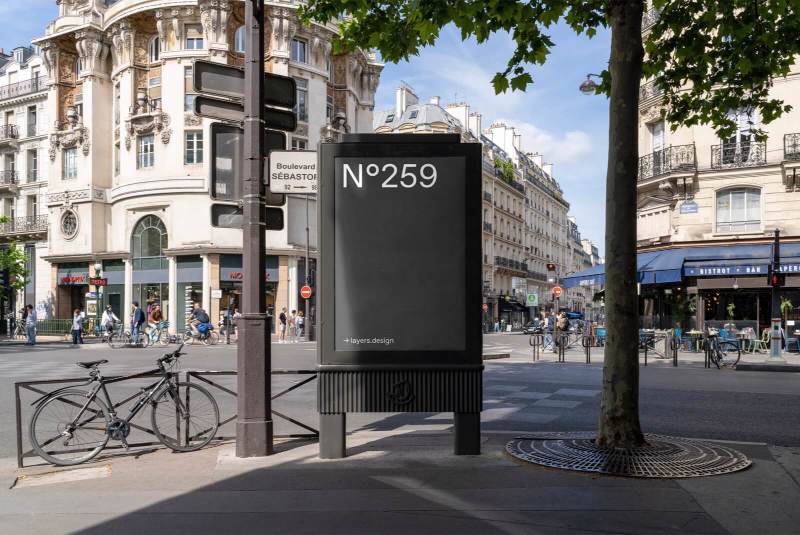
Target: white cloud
(559,148)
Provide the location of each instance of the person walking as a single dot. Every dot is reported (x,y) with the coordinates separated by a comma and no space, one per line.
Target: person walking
(137,320)
(77,327)
(300,321)
(562,327)
(550,327)
(282,320)
(293,326)
(30,325)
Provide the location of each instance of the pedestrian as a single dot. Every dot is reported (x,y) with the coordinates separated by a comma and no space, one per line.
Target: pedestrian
(551,331)
(293,326)
(282,326)
(30,325)
(562,327)
(77,327)
(496,326)
(301,323)
(137,320)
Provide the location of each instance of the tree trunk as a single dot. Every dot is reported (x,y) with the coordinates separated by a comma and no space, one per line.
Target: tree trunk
(619,410)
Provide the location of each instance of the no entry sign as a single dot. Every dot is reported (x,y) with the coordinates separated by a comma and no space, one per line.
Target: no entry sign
(557,291)
(305,292)
(485,307)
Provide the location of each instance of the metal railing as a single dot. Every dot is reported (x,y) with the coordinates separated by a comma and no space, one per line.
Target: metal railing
(667,160)
(487,196)
(537,275)
(36,388)
(649,91)
(8,177)
(741,154)
(791,146)
(487,226)
(9,131)
(22,88)
(31,223)
(649,18)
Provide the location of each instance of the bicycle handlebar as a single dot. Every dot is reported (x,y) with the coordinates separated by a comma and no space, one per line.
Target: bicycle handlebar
(169,356)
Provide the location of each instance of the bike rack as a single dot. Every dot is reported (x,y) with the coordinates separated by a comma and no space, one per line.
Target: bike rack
(586,342)
(34,386)
(536,341)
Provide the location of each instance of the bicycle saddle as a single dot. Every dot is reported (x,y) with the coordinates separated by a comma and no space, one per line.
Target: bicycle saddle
(91,363)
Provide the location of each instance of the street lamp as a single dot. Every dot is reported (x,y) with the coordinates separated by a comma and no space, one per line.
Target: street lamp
(589,87)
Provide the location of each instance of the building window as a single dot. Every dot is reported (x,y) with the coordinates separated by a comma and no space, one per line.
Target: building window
(33,205)
(78,68)
(188,99)
(299,51)
(194,147)
(329,108)
(194,37)
(70,163)
(69,224)
(117,103)
(739,210)
(239,44)
(299,143)
(154,50)
(145,156)
(116,159)
(33,165)
(301,108)
(154,92)
(31,120)
(148,241)
(78,103)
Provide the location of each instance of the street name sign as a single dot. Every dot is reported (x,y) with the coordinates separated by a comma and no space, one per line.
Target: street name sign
(293,171)
(397,238)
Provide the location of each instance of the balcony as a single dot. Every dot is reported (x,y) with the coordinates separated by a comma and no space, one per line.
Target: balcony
(512,265)
(736,155)
(22,88)
(29,225)
(649,18)
(487,196)
(536,275)
(8,179)
(677,158)
(791,147)
(8,133)
(649,91)
(487,227)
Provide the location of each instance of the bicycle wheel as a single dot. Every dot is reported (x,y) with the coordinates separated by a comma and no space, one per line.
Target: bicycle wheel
(188,338)
(185,416)
(211,339)
(57,440)
(729,354)
(20,334)
(163,337)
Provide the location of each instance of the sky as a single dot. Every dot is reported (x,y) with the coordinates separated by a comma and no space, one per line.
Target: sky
(568,128)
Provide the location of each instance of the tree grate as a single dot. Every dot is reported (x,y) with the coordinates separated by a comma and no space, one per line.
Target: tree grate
(661,457)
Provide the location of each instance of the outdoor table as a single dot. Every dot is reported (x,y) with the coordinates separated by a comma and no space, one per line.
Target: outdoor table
(744,339)
(696,336)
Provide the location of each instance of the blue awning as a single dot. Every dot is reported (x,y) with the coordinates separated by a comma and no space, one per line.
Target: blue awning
(672,265)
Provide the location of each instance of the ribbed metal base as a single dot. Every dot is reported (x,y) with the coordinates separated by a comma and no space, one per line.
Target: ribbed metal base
(400,391)
(662,457)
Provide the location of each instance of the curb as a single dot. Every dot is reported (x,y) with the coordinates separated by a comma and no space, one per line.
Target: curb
(495,356)
(763,367)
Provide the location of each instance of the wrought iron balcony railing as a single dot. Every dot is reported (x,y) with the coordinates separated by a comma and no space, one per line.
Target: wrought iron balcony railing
(667,160)
(8,177)
(537,275)
(487,196)
(791,146)
(9,131)
(649,91)
(649,18)
(741,154)
(28,224)
(24,87)
(487,226)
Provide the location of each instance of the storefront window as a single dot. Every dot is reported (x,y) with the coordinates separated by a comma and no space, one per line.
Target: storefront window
(739,210)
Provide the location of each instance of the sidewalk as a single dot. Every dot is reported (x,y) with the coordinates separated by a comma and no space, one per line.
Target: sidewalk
(393,482)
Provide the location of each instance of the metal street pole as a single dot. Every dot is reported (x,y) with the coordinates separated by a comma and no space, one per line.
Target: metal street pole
(254,433)
(775,339)
(307,324)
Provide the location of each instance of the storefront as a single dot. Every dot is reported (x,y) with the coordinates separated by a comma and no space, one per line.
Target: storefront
(231,276)
(511,313)
(113,293)
(72,284)
(189,273)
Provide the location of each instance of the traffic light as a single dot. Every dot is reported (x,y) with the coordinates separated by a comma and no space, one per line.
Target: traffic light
(220,91)
(776,278)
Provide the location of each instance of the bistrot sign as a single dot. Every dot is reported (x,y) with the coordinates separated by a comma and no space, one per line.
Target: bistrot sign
(397,240)
(293,171)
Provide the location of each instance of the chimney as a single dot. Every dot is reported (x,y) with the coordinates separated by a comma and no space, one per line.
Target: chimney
(475,124)
(434,100)
(548,169)
(537,159)
(404,97)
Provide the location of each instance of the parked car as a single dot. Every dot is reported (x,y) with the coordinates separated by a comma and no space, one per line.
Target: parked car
(533,327)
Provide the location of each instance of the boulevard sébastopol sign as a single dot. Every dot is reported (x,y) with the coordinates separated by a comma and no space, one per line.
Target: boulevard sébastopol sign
(397,241)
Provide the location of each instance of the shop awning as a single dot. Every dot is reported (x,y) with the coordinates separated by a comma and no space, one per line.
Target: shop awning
(672,265)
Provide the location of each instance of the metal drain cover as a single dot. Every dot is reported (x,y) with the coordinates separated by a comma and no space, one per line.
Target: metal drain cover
(662,457)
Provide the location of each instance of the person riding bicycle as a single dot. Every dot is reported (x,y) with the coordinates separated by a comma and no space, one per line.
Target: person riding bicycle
(197,317)
(155,317)
(108,320)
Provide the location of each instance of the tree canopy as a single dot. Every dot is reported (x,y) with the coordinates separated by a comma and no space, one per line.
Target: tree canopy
(707,56)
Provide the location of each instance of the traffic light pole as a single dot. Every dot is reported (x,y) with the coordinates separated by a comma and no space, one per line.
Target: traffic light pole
(254,430)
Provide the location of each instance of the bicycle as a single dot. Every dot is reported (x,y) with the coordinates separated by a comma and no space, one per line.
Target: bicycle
(125,339)
(158,334)
(19,331)
(724,353)
(81,423)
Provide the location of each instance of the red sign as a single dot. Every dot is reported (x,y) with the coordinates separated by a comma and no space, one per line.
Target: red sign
(557,291)
(97,281)
(305,292)
(73,279)
(485,307)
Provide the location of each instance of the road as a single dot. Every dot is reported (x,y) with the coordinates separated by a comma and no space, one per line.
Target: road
(519,396)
